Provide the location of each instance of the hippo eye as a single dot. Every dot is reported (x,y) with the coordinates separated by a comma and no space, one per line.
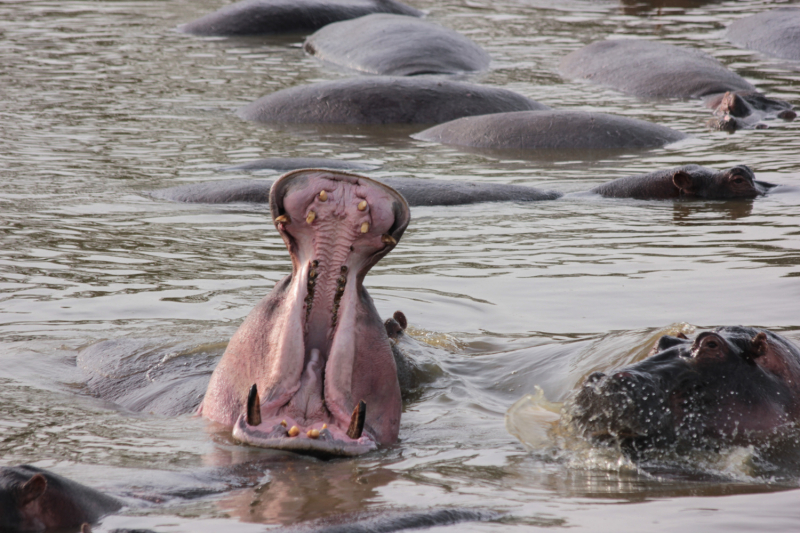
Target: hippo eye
(712,344)
(739,180)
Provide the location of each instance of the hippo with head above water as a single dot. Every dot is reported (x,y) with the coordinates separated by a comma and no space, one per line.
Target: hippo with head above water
(267,17)
(731,386)
(32,499)
(656,70)
(311,368)
(689,181)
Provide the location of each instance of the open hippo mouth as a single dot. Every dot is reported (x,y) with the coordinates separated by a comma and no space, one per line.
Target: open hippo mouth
(311,369)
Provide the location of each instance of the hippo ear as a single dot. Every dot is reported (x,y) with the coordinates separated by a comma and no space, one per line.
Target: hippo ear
(759,345)
(684,182)
(32,490)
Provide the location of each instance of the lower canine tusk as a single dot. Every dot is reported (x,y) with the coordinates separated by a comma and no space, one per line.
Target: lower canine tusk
(253,407)
(357,421)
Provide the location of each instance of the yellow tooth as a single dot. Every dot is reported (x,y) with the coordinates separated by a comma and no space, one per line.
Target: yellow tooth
(362,205)
(324,426)
(283,219)
(294,431)
(311,216)
(388,239)
(323,196)
(312,433)
(365,227)
(283,423)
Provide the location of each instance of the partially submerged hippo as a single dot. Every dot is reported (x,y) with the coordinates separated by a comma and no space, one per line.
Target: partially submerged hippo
(551,130)
(267,17)
(773,32)
(396,45)
(731,386)
(689,181)
(383,100)
(33,499)
(416,192)
(285,164)
(656,70)
(311,368)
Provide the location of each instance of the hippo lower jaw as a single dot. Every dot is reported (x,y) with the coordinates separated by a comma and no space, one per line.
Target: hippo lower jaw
(315,350)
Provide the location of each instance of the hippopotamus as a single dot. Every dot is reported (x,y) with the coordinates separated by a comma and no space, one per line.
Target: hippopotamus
(33,499)
(284,164)
(731,386)
(551,130)
(772,32)
(396,45)
(383,100)
(652,69)
(311,368)
(688,181)
(269,17)
(417,192)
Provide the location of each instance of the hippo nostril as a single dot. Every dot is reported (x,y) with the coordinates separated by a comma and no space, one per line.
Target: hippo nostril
(594,377)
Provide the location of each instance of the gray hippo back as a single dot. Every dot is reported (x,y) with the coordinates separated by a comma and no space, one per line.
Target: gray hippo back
(265,17)
(775,32)
(396,45)
(383,100)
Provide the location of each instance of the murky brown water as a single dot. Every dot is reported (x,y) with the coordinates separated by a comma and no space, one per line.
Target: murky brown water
(102,100)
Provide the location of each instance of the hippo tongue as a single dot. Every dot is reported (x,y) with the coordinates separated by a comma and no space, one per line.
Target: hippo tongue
(322,345)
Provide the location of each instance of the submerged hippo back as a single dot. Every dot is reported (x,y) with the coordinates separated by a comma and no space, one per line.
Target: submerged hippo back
(652,69)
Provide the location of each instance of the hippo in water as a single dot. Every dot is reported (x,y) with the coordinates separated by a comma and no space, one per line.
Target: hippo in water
(416,192)
(773,32)
(32,499)
(383,100)
(689,181)
(311,368)
(731,386)
(396,45)
(268,17)
(651,69)
(551,130)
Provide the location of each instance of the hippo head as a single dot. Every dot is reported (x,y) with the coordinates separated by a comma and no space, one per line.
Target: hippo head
(734,385)
(735,182)
(311,369)
(743,110)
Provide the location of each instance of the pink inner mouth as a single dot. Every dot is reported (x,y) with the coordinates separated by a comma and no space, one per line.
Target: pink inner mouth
(325,346)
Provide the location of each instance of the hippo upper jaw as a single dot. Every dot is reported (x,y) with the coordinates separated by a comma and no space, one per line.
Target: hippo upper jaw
(311,369)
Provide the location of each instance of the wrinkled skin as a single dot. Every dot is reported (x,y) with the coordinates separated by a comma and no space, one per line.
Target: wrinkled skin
(551,130)
(772,32)
(315,347)
(690,181)
(269,17)
(395,45)
(651,69)
(416,192)
(383,100)
(33,499)
(733,386)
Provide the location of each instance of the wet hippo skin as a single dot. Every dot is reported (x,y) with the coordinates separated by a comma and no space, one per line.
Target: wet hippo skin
(551,130)
(417,192)
(773,32)
(656,70)
(265,17)
(396,45)
(383,100)
(731,386)
(689,181)
(33,499)
(311,368)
